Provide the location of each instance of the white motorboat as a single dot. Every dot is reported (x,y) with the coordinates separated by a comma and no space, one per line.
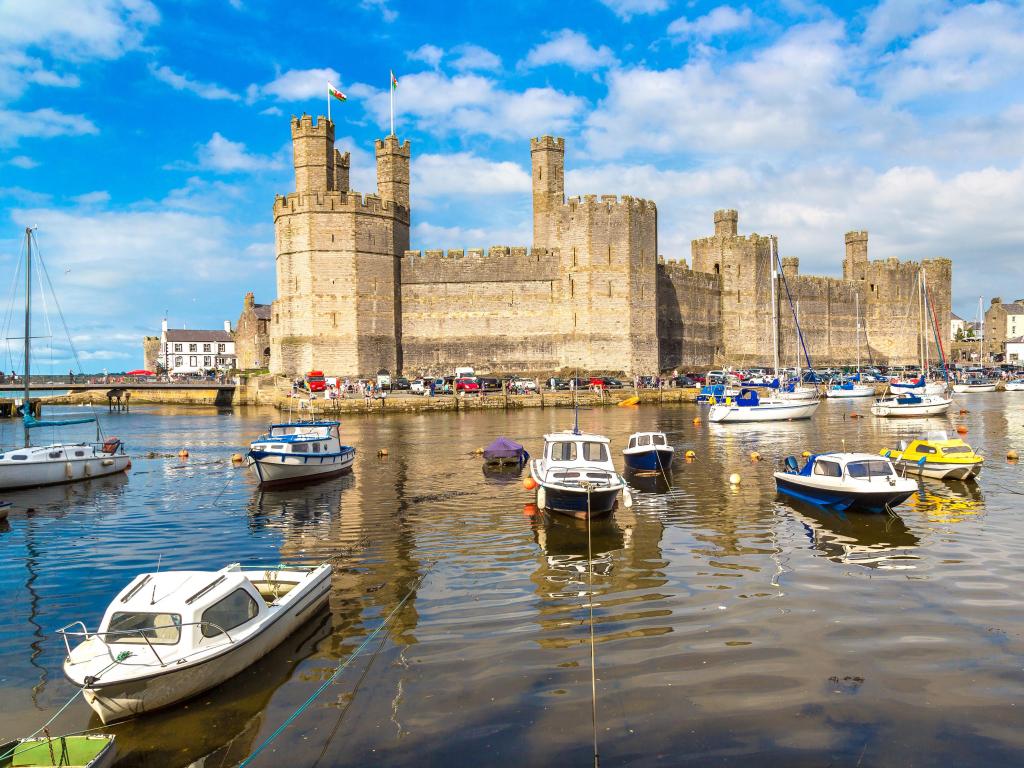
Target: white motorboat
(862,482)
(35,466)
(298,451)
(911,405)
(974,385)
(169,636)
(575,475)
(750,407)
(648,452)
(847,389)
(1015,385)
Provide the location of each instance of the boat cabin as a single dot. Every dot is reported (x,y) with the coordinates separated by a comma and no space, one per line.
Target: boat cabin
(307,437)
(573,458)
(647,440)
(858,466)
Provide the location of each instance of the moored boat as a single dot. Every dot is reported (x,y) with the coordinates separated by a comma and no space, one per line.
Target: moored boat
(1015,385)
(849,388)
(94,750)
(750,407)
(298,451)
(845,482)
(917,387)
(936,455)
(911,405)
(171,635)
(974,385)
(648,451)
(503,452)
(575,475)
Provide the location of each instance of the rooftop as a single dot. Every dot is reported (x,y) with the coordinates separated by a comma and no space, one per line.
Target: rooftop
(176,334)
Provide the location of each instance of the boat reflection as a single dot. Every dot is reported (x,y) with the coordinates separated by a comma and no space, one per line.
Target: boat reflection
(948,501)
(656,482)
(505,474)
(100,493)
(868,540)
(297,505)
(222,724)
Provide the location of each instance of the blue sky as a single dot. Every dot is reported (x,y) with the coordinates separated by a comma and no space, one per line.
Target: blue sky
(147,140)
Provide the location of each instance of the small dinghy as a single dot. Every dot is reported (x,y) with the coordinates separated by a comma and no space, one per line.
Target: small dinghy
(936,455)
(80,751)
(648,451)
(911,405)
(849,388)
(172,635)
(505,453)
(1015,385)
(842,482)
(576,477)
(302,450)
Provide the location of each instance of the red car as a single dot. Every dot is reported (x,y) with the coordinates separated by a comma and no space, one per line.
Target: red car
(467,385)
(315,381)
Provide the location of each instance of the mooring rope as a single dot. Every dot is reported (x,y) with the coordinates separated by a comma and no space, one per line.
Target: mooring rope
(593,665)
(337,670)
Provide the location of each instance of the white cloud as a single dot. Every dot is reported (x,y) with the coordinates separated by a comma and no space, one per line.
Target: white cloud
(181,82)
(573,49)
(203,196)
(299,84)
(970,49)
(77,30)
(99,197)
(23,161)
(43,123)
(472,57)
(627,9)
(225,156)
(275,111)
(428,54)
(18,71)
(718,21)
(427,236)
(893,20)
(472,104)
(381,8)
(466,174)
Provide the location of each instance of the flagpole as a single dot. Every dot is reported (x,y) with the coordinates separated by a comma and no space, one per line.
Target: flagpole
(391,91)
(328,102)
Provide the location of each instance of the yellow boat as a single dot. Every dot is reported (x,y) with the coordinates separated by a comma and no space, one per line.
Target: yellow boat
(936,455)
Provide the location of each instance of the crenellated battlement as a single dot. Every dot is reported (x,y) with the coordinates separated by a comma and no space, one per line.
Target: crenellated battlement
(610,202)
(497,264)
(326,202)
(306,125)
(392,146)
(857,236)
(494,252)
(547,142)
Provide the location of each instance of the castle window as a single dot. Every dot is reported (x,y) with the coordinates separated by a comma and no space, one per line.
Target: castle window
(609,258)
(717,271)
(609,289)
(574,257)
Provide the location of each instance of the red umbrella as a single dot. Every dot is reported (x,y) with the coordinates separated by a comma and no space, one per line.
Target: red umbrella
(140,372)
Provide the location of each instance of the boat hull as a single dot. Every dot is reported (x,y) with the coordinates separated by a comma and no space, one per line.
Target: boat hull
(35,474)
(776,412)
(841,500)
(973,389)
(651,460)
(939,471)
(923,409)
(574,501)
(856,391)
(280,469)
(1015,386)
(122,699)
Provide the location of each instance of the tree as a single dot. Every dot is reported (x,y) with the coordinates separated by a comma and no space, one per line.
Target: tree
(960,333)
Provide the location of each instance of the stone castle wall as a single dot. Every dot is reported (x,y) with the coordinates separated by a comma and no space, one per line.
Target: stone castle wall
(252,336)
(151,353)
(689,327)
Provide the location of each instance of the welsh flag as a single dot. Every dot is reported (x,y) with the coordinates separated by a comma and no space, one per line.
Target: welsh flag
(394,81)
(332,91)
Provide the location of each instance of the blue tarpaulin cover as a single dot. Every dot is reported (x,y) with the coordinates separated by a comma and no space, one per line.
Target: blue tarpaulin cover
(503,448)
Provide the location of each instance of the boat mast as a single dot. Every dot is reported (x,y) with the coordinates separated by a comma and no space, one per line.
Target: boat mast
(26,404)
(924,323)
(856,304)
(981,334)
(775,310)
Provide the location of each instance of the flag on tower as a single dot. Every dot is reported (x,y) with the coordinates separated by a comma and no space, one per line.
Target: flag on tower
(391,94)
(336,93)
(394,81)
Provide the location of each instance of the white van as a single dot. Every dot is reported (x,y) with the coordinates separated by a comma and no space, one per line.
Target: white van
(464,372)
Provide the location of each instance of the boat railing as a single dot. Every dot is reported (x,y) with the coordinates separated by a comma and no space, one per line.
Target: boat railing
(607,478)
(85,634)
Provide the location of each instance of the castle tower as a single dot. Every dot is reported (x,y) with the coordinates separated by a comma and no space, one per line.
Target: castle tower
(547,156)
(393,170)
(726,223)
(856,255)
(339,259)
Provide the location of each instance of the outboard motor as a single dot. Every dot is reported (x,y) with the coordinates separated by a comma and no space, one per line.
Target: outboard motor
(792,465)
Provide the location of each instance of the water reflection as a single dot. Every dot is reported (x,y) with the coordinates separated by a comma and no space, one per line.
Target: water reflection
(948,501)
(871,541)
(647,482)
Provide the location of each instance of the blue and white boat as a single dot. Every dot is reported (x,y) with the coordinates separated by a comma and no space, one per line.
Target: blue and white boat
(648,451)
(301,450)
(715,393)
(575,476)
(750,406)
(863,482)
(851,387)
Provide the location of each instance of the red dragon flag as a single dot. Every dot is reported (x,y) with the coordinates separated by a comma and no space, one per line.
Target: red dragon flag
(332,91)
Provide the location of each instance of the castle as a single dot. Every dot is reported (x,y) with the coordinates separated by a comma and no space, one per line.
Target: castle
(591,294)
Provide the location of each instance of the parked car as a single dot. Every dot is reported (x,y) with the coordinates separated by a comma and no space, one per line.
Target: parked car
(698,378)
(383,379)
(612,383)
(596,381)
(489,383)
(401,383)
(683,381)
(467,385)
(418,387)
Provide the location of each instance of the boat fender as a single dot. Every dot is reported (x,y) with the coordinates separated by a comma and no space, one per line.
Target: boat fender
(107,462)
(69,471)
(542,498)
(728,401)
(627,498)
(734,478)
(88,469)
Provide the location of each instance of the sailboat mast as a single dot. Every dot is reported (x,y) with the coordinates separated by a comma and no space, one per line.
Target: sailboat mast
(981,334)
(775,312)
(856,304)
(924,322)
(26,405)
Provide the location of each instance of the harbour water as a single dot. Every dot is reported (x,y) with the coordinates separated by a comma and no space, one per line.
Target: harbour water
(733,627)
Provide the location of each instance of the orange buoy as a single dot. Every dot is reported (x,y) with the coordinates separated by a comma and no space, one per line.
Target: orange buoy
(696,420)
(691,454)
(854,415)
(961,430)
(755,456)
(1012,455)
(529,510)
(806,454)
(236,458)
(964,411)
(182,454)
(529,483)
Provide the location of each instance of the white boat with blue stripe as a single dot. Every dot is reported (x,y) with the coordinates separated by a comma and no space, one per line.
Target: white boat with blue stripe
(298,451)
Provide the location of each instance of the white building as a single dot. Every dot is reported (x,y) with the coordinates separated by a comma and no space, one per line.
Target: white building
(1015,350)
(957,325)
(192,352)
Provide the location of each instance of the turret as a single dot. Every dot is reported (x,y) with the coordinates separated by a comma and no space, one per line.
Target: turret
(342,163)
(393,170)
(249,301)
(547,156)
(856,253)
(726,223)
(313,152)
(790,266)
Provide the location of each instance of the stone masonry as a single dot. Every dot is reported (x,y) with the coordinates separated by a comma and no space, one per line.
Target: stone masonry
(591,293)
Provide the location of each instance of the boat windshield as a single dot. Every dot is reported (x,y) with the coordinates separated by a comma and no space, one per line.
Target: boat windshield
(595,452)
(563,451)
(876,468)
(957,449)
(133,627)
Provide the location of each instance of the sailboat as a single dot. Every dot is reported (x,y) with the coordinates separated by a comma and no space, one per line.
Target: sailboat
(852,387)
(978,383)
(922,385)
(34,466)
(749,405)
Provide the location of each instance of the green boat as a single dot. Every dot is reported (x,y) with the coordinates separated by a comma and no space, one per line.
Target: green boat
(92,751)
